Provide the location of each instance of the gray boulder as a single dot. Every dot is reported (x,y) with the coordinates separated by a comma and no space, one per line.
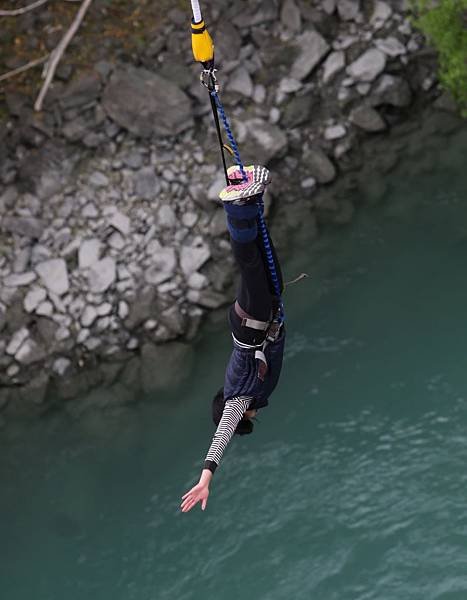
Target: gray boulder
(392,90)
(320,166)
(228,42)
(29,227)
(54,275)
(348,9)
(290,16)
(141,308)
(299,110)
(334,63)
(312,48)
(102,275)
(368,66)
(164,263)
(266,141)
(368,119)
(146,104)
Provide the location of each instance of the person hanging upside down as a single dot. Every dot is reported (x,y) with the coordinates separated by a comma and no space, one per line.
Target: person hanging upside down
(255,320)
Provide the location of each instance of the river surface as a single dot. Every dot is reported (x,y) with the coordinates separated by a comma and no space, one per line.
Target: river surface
(354,483)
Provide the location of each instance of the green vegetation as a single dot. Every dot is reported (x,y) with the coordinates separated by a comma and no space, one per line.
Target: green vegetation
(444,22)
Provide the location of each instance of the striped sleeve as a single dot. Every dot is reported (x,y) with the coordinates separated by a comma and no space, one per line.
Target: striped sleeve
(231,417)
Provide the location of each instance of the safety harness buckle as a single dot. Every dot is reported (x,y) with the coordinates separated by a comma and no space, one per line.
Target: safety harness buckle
(273,331)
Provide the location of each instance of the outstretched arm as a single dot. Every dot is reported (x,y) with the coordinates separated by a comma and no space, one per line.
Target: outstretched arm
(233,413)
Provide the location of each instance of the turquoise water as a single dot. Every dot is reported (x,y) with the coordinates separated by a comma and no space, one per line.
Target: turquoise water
(354,483)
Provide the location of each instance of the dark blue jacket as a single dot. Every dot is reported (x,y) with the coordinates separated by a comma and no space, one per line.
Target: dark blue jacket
(241,375)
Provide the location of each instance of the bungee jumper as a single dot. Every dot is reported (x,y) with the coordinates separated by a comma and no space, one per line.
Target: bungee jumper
(256,318)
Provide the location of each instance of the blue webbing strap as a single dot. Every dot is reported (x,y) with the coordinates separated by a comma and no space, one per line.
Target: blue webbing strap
(261,221)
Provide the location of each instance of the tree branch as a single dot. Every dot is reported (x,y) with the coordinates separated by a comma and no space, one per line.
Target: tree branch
(57,54)
(20,11)
(26,67)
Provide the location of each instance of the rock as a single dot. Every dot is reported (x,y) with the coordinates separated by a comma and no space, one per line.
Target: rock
(99,180)
(84,89)
(147,185)
(54,275)
(166,217)
(189,219)
(165,366)
(146,104)
(89,316)
(218,225)
(334,63)
(141,308)
(298,111)
(8,198)
(197,281)
(308,184)
(348,9)
(92,343)
(33,298)
(192,258)
(381,13)
(290,16)
(102,275)
(45,309)
(90,211)
(208,298)
(368,66)
(89,252)
(29,227)
(17,341)
(259,94)
(19,279)
(334,132)
(391,46)
(391,90)
(228,42)
(312,48)
(30,352)
(104,309)
(61,366)
(47,171)
(174,320)
(288,85)
(368,119)
(241,82)
(76,130)
(116,241)
(123,310)
(22,260)
(164,263)
(62,333)
(120,222)
(320,166)
(267,141)
(329,6)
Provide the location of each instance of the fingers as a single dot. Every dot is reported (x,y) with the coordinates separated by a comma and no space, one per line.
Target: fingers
(189,503)
(203,503)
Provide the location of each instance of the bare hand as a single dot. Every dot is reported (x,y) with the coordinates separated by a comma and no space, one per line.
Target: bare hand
(198,493)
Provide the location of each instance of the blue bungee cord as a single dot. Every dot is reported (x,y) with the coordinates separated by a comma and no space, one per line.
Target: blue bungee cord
(262,223)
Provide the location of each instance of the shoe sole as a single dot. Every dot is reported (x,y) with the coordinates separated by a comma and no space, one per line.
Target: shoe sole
(242,196)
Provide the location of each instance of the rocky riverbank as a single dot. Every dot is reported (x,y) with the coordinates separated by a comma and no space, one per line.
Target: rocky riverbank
(113,247)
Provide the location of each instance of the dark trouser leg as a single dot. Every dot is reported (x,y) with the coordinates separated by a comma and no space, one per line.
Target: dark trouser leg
(256,291)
